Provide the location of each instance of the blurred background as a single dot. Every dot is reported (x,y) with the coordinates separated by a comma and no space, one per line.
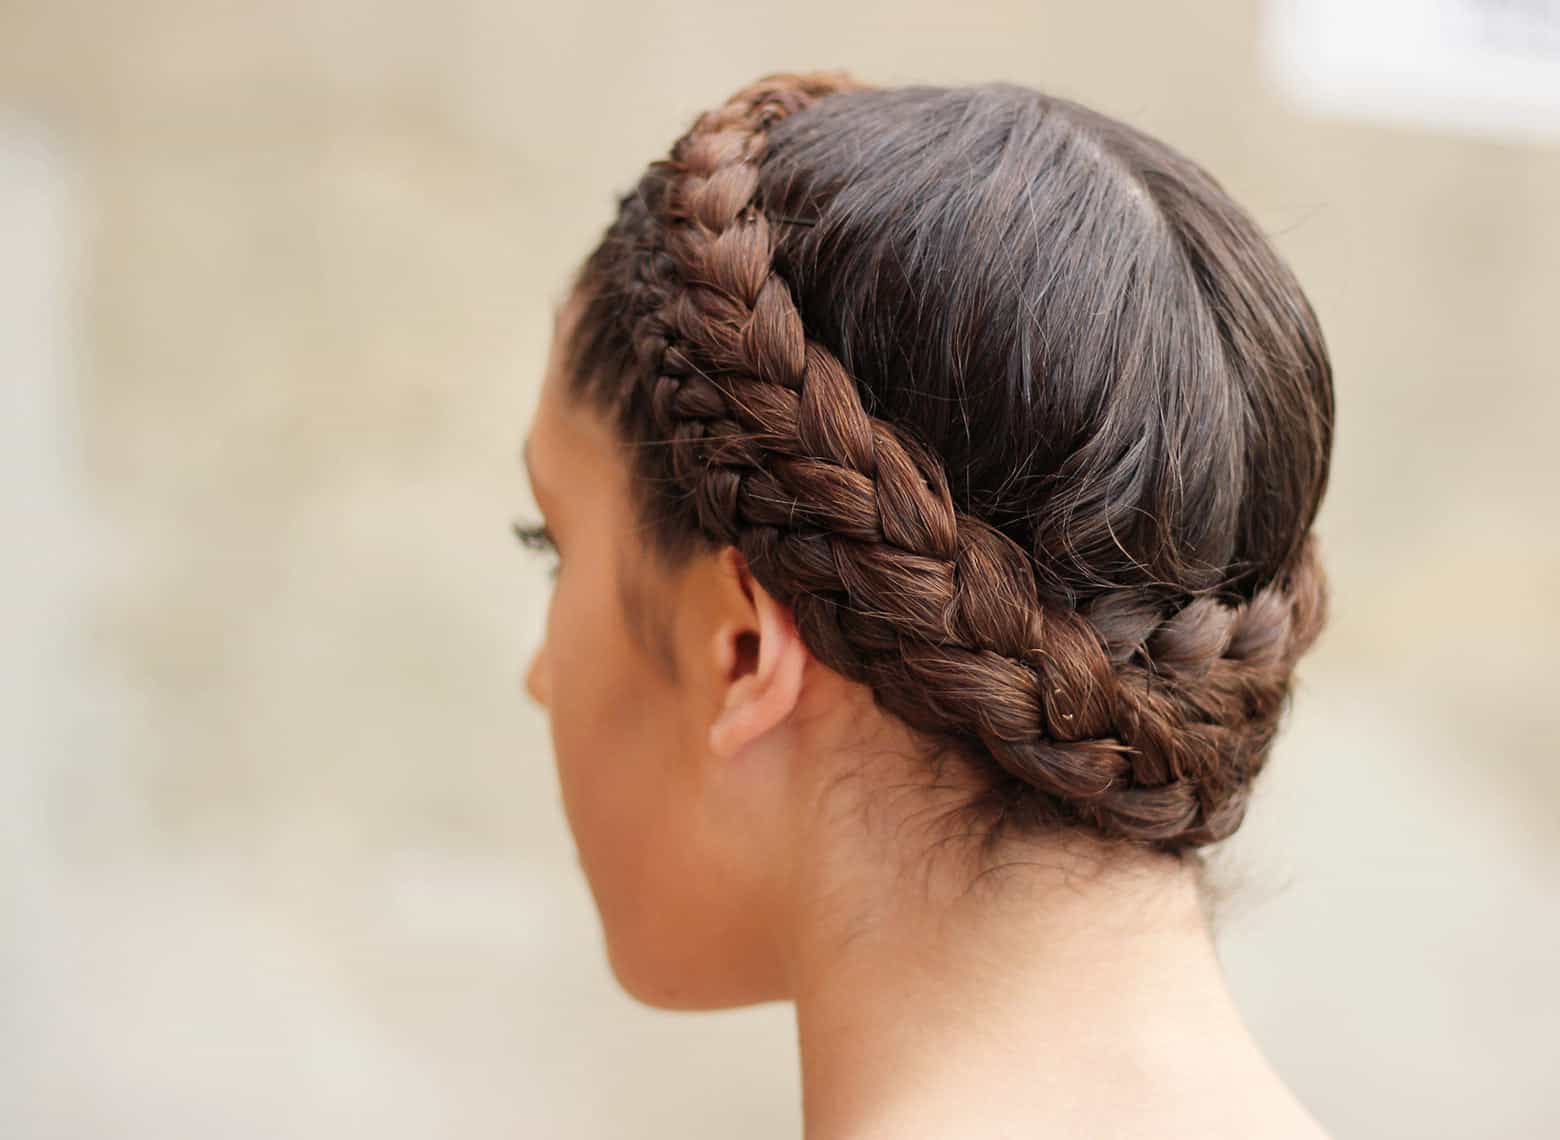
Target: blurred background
(281,849)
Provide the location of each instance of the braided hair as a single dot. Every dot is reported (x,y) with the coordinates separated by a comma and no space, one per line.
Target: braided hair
(1009,403)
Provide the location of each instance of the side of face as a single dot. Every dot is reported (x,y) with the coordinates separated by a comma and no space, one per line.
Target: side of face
(673,780)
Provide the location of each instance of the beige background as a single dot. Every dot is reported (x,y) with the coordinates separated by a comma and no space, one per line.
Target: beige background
(281,852)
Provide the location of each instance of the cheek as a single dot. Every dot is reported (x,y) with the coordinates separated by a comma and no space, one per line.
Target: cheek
(674,906)
(613,738)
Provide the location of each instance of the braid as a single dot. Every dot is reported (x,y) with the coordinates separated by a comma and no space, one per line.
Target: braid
(1143,725)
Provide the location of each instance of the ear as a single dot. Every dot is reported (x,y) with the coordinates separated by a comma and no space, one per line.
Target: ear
(761,657)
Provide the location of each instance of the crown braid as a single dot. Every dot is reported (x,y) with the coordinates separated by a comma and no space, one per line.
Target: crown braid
(1143,725)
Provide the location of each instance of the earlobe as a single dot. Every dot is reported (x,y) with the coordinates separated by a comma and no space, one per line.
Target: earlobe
(759,693)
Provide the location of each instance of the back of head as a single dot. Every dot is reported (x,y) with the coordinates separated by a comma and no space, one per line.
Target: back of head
(1010,403)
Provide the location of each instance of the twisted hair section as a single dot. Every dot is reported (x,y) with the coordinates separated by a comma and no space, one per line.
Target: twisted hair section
(1142,712)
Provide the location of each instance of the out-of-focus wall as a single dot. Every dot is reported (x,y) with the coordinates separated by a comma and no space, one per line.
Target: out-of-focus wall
(283,850)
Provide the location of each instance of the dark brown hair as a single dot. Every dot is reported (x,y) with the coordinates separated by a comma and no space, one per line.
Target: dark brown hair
(1010,403)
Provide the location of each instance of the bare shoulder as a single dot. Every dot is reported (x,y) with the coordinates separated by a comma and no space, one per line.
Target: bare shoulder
(1171,1126)
(1130,1106)
(1258,1105)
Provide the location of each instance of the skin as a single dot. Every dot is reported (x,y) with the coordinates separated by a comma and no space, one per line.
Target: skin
(754,829)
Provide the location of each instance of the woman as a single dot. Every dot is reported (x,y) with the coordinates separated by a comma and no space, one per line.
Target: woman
(931,472)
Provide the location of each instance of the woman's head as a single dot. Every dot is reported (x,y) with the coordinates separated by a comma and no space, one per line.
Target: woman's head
(972,400)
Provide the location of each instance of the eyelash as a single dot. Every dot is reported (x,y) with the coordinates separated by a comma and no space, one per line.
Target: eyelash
(537,538)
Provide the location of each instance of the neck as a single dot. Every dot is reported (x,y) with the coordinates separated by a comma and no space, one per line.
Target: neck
(1074,989)
(1083,994)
